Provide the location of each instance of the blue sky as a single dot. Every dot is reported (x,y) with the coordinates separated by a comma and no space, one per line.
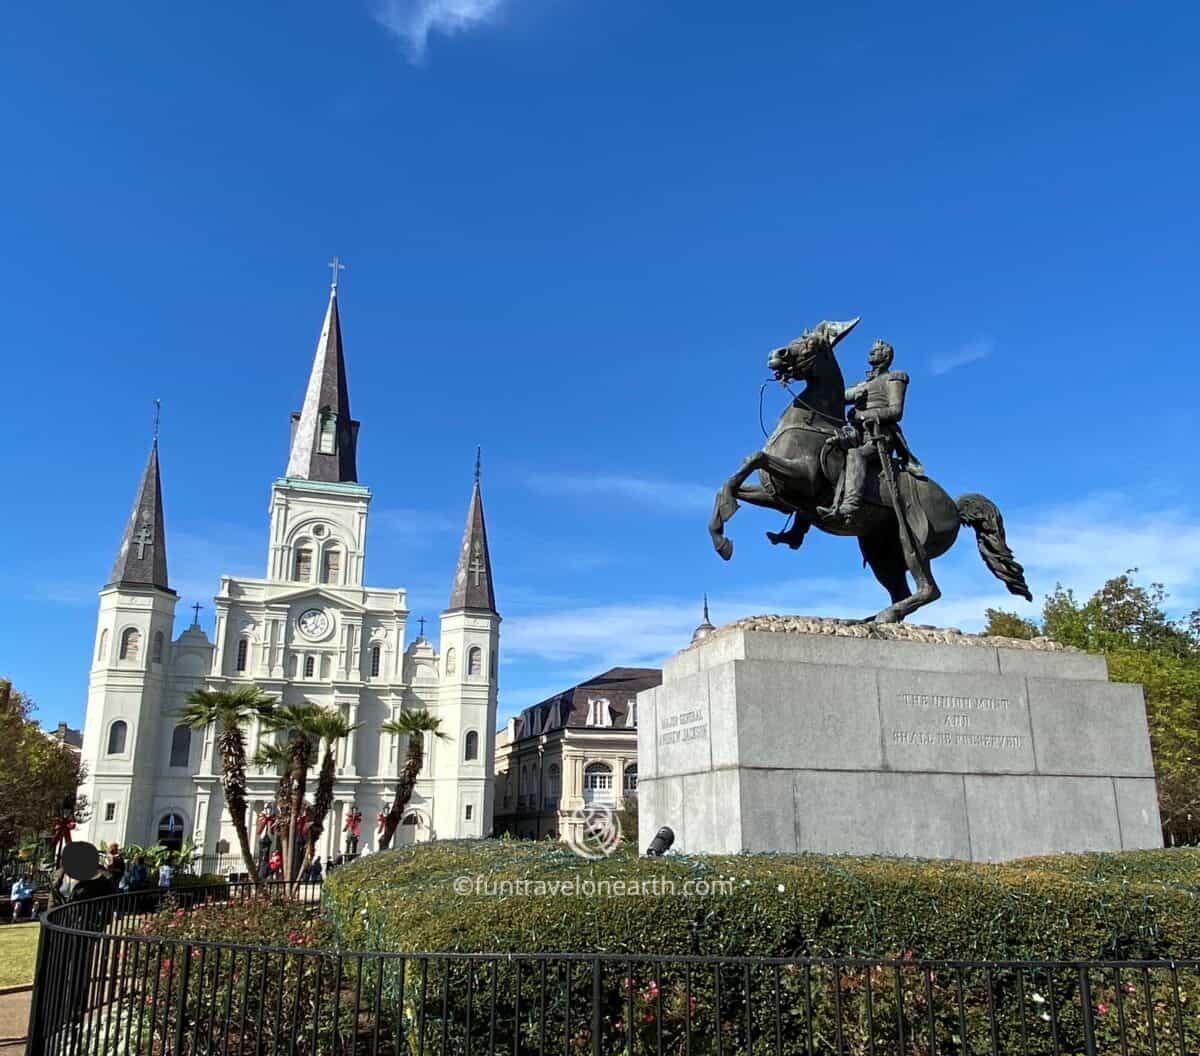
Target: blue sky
(573,231)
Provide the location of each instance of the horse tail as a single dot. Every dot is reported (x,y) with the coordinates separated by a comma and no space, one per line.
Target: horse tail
(981,513)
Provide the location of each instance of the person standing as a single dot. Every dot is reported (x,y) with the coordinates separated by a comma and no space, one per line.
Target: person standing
(166,873)
(116,866)
(22,897)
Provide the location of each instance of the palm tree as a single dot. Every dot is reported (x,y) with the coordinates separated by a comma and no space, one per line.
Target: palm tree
(412,725)
(299,722)
(330,725)
(232,710)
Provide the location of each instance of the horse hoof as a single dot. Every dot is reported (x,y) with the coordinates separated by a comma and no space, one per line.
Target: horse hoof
(725,548)
(888,615)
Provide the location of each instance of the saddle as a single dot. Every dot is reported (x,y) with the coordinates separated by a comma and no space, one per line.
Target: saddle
(909,474)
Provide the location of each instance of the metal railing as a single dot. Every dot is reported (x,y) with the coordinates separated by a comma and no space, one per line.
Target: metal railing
(111,978)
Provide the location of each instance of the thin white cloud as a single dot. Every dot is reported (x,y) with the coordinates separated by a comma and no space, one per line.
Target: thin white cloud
(1082,544)
(664,496)
(971,352)
(414,20)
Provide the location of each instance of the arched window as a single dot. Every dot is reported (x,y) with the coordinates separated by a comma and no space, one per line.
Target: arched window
(117,734)
(243,651)
(302,564)
(170,831)
(156,651)
(553,784)
(597,783)
(630,788)
(474,662)
(451,661)
(374,661)
(181,745)
(131,645)
(102,647)
(471,749)
(310,663)
(331,566)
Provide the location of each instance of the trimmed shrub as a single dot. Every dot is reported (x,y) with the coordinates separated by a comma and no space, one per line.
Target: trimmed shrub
(539,897)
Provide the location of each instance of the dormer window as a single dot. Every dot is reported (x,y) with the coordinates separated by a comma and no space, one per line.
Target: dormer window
(327,440)
(598,713)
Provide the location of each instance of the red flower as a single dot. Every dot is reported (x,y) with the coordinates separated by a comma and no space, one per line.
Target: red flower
(1102,1008)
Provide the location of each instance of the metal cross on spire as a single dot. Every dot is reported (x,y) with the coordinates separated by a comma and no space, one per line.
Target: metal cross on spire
(157,419)
(421,621)
(196,611)
(336,265)
(478,462)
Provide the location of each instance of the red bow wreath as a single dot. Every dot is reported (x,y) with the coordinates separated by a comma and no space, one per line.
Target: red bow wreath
(353,823)
(302,824)
(382,822)
(61,829)
(267,822)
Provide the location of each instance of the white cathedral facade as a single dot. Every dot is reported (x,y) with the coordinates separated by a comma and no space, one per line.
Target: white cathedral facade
(309,630)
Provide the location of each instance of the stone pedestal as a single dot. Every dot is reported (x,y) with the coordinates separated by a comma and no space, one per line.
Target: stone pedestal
(836,738)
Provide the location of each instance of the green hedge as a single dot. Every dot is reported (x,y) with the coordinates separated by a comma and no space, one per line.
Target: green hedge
(1066,907)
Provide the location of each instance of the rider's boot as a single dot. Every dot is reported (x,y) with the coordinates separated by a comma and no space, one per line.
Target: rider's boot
(847,506)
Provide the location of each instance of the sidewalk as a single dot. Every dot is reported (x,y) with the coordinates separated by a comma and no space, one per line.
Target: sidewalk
(14,1019)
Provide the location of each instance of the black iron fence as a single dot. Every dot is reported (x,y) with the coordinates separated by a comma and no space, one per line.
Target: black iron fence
(104,986)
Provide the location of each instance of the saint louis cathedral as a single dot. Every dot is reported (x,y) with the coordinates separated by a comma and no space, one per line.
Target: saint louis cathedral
(309,630)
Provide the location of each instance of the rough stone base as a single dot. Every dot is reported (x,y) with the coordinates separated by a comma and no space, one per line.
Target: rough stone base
(937,745)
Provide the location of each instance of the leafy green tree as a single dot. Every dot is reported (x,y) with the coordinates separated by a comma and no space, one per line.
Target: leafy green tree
(1129,624)
(231,710)
(330,725)
(1009,625)
(300,722)
(39,775)
(412,725)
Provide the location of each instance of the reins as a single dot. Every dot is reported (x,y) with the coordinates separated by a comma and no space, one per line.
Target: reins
(762,389)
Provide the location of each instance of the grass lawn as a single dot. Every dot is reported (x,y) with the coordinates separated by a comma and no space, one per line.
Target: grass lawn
(18,944)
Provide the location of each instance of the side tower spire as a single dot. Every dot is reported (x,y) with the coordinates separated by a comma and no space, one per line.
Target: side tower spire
(142,557)
(324,436)
(472,589)
(464,779)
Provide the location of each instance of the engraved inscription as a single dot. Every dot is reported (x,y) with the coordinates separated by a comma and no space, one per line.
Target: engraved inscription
(945,720)
(682,726)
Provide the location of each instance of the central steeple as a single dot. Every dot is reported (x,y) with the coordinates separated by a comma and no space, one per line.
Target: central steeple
(142,558)
(324,436)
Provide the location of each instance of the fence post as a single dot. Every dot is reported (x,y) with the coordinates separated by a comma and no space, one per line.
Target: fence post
(37,1022)
(596,1006)
(1085,1000)
(185,974)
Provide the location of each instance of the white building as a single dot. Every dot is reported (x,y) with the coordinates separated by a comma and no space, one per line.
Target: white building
(308,631)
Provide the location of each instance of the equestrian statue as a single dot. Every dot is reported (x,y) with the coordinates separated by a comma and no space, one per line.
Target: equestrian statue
(856,476)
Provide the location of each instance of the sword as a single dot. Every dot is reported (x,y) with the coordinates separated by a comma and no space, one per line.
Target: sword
(914,552)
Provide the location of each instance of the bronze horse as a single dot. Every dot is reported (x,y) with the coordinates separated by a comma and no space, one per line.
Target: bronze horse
(798,469)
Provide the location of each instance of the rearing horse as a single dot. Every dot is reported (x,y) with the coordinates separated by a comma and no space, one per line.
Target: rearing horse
(798,471)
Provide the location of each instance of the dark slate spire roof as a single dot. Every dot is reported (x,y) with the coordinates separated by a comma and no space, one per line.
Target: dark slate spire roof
(473,578)
(327,397)
(142,558)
